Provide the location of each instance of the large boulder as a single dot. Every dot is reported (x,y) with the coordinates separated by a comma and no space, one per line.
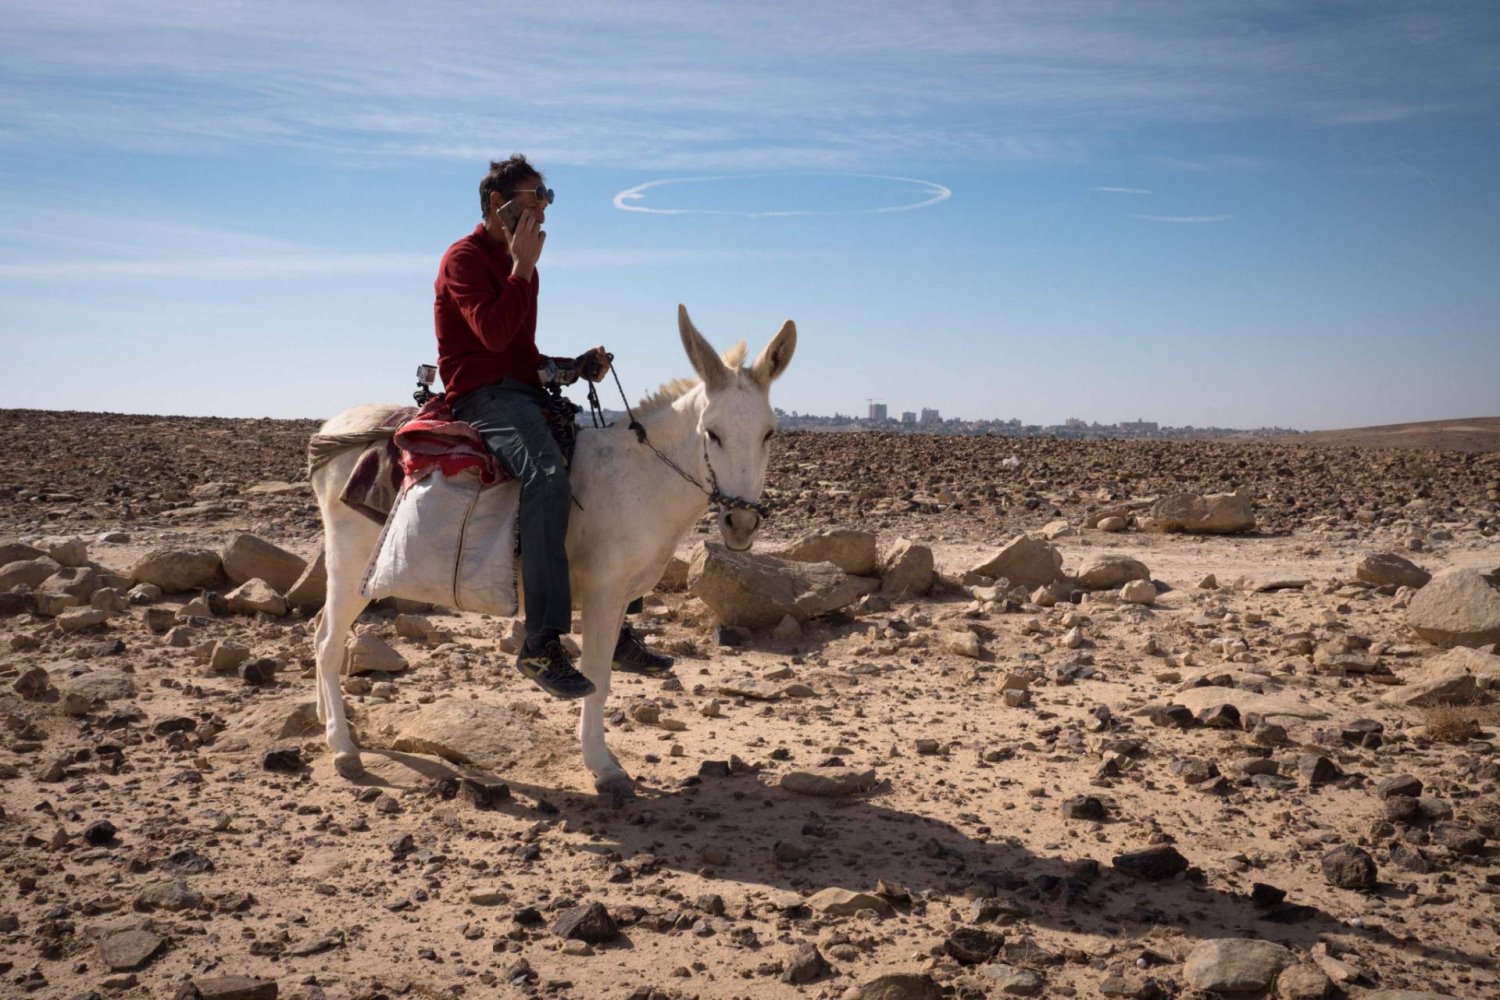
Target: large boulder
(14,551)
(84,690)
(465,731)
(178,570)
(31,572)
(1389,569)
(850,550)
(1106,572)
(256,595)
(67,550)
(1213,514)
(906,569)
(249,558)
(1024,560)
(79,582)
(1458,607)
(311,588)
(757,591)
(1441,681)
(1484,666)
(1235,965)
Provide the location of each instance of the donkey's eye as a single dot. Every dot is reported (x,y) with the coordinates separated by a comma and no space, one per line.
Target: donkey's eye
(715,439)
(769,435)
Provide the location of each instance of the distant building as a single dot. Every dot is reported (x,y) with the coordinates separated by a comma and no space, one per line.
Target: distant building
(877,413)
(1139,427)
(930,416)
(908,419)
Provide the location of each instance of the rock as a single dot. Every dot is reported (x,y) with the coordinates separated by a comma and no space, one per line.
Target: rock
(1209,582)
(1153,864)
(906,569)
(1302,981)
(1235,965)
(1388,569)
(805,965)
(1459,607)
(33,684)
(227,655)
(1438,683)
(483,734)
(1084,807)
(1138,592)
(99,833)
(1214,514)
(963,643)
(1318,769)
(787,630)
(1008,979)
(368,654)
(1484,666)
(972,945)
(1407,785)
(1024,561)
(756,591)
(310,589)
(590,922)
(282,760)
(130,948)
(14,551)
(235,988)
(248,558)
(1349,867)
(31,572)
(172,895)
(1405,995)
(850,550)
(897,986)
(178,570)
(256,596)
(67,551)
(1113,524)
(83,693)
(1106,572)
(79,582)
(838,902)
(829,782)
(1249,703)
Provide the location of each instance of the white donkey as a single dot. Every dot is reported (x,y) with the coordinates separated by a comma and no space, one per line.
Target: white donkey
(635,510)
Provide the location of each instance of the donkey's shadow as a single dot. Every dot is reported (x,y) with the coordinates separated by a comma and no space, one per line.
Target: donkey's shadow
(741,831)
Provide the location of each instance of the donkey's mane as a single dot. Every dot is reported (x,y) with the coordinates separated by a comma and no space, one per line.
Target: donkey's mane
(670,392)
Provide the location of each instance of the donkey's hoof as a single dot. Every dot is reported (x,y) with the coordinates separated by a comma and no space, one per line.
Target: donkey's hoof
(348,765)
(618,787)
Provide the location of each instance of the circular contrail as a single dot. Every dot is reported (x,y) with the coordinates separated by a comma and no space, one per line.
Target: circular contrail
(626,201)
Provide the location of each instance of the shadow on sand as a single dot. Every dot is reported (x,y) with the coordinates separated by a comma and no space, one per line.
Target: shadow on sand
(739,830)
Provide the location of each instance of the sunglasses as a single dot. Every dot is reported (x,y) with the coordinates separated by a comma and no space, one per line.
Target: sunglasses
(543,194)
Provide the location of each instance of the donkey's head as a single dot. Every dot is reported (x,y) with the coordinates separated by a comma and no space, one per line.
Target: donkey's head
(737,424)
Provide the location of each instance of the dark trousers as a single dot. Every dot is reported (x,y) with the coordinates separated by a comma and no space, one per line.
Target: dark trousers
(508,416)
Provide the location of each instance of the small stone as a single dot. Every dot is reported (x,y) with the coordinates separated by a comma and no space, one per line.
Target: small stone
(283,760)
(839,902)
(1407,785)
(1010,980)
(1153,864)
(829,782)
(99,833)
(131,948)
(1302,981)
(259,672)
(172,895)
(1084,807)
(1349,867)
(972,945)
(1318,769)
(590,922)
(897,986)
(1235,965)
(33,684)
(1138,592)
(1172,717)
(805,965)
(236,988)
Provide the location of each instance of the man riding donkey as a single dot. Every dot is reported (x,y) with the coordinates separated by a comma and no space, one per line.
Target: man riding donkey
(485,315)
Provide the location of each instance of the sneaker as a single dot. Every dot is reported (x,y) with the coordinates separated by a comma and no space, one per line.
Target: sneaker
(632,656)
(551,669)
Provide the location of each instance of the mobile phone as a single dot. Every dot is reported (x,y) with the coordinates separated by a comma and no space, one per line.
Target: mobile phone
(509,214)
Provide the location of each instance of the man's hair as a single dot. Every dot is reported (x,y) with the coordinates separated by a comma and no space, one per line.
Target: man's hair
(504,175)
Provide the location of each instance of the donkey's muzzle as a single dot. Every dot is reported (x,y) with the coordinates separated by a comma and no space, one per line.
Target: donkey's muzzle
(738,527)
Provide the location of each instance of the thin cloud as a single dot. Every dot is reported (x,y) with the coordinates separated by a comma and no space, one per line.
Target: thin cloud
(1191,220)
(1122,190)
(632,199)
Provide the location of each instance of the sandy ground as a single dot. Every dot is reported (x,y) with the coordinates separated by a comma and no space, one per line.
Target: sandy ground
(304,878)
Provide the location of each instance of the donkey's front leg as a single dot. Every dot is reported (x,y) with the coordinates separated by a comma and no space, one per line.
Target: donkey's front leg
(601,629)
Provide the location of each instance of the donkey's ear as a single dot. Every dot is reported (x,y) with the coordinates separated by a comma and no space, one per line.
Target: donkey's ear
(700,352)
(777,355)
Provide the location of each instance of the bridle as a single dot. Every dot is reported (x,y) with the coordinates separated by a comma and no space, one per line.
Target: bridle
(712,491)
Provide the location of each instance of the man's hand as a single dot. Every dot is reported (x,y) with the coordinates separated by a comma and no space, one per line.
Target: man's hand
(525,244)
(594,364)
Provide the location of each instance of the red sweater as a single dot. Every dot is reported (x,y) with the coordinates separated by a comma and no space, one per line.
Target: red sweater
(485,317)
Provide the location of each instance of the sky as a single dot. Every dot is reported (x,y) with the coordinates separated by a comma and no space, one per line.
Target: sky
(1204,213)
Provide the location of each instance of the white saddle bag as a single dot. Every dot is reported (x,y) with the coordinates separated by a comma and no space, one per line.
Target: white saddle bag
(450,541)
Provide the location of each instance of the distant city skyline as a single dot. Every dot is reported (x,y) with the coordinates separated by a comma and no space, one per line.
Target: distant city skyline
(1214,213)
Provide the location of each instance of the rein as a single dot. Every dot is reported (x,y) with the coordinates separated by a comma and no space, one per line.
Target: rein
(712,491)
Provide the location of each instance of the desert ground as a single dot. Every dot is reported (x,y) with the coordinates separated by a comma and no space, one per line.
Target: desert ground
(1253,782)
